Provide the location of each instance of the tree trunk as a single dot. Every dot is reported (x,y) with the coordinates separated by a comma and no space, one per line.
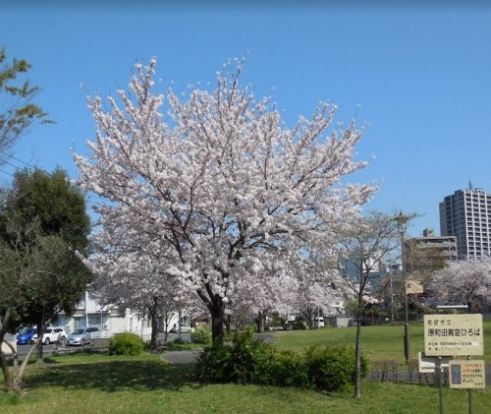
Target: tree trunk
(260,322)
(152,311)
(358,350)
(6,371)
(17,382)
(228,323)
(3,361)
(40,332)
(167,318)
(217,310)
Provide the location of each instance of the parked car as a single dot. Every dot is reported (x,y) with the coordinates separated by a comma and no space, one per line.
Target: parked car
(51,335)
(83,336)
(24,337)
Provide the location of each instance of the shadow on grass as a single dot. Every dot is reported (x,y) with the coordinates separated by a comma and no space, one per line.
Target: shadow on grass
(114,376)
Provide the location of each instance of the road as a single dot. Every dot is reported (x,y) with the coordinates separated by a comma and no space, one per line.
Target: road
(48,349)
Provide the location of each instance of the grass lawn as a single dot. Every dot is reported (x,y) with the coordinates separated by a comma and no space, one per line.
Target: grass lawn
(87,383)
(378,342)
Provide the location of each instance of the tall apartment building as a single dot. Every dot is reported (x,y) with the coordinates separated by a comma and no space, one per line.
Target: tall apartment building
(466,214)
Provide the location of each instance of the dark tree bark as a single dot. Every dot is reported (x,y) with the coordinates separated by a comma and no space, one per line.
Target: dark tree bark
(153,313)
(359,314)
(228,324)
(40,333)
(217,310)
(260,322)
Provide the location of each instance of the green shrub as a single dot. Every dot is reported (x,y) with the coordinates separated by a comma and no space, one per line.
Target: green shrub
(281,368)
(125,343)
(299,325)
(248,360)
(201,336)
(332,368)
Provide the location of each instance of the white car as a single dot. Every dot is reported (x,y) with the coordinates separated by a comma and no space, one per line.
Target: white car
(51,335)
(83,336)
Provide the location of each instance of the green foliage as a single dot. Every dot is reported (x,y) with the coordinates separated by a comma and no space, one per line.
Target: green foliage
(249,361)
(201,336)
(298,325)
(43,221)
(42,203)
(18,111)
(332,368)
(126,343)
(282,368)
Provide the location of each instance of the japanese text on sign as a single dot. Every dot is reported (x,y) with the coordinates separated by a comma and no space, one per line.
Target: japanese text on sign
(447,335)
(467,374)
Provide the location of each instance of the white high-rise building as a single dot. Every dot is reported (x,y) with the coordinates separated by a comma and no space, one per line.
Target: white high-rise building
(466,214)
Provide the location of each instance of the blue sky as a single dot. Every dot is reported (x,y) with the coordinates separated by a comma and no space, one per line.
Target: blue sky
(419,77)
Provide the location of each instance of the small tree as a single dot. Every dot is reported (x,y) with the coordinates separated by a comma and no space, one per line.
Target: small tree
(38,206)
(366,243)
(35,286)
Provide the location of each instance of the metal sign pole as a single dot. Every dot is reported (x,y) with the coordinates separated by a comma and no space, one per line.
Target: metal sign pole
(440,383)
(469,394)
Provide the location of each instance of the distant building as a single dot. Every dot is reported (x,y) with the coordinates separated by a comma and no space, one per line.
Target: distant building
(466,214)
(423,255)
(110,319)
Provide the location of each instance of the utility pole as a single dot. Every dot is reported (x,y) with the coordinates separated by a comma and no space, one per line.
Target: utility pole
(402,220)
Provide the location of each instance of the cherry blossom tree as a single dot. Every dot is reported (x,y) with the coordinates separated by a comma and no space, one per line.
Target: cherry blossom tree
(465,282)
(220,179)
(131,273)
(367,241)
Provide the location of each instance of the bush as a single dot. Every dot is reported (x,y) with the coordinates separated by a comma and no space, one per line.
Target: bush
(201,336)
(248,360)
(281,368)
(213,365)
(332,368)
(125,343)
(299,325)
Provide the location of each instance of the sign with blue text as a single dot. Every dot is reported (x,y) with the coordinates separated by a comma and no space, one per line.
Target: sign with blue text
(448,335)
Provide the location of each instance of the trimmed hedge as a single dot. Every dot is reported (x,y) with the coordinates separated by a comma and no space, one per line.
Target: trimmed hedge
(125,343)
(247,360)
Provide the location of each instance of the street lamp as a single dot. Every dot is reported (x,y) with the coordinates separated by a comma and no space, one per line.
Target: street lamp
(402,220)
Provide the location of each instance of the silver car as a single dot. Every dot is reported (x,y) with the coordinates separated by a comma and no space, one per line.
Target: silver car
(82,336)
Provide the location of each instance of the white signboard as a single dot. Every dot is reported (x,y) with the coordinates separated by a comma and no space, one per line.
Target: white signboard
(427,364)
(467,374)
(447,335)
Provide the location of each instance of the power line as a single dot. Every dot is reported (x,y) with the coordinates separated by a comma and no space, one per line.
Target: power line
(5,172)
(6,161)
(23,162)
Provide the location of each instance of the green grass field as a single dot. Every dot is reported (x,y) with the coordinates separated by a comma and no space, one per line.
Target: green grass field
(145,384)
(97,383)
(378,342)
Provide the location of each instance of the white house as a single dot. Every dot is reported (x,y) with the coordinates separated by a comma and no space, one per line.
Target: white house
(110,319)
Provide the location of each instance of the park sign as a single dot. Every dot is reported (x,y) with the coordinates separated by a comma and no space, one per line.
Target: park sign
(414,287)
(448,335)
(467,373)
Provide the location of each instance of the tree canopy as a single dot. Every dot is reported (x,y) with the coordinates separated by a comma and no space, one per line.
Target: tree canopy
(43,203)
(220,180)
